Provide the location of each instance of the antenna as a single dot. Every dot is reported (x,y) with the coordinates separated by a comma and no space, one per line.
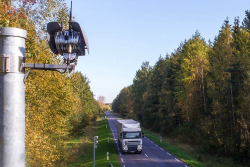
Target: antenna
(70,19)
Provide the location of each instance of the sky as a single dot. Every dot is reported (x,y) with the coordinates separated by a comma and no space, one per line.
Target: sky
(122,34)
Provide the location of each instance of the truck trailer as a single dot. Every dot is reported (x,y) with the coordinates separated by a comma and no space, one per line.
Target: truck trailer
(129,136)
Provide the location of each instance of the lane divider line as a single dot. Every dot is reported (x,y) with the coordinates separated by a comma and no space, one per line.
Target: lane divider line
(177,160)
(146,155)
(162,149)
(122,159)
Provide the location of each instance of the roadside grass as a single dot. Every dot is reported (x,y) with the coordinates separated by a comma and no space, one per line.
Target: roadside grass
(80,151)
(104,146)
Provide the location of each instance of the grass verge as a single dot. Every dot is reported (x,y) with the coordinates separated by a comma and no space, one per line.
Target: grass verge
(104,146)
(80,150)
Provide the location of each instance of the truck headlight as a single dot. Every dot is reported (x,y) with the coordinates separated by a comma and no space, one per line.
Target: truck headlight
(125,147)
(139,147)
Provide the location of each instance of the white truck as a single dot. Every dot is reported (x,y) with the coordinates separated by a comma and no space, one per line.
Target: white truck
(129,136)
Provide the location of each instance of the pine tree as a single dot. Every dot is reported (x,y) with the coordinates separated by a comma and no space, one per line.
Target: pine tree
(246,21)
(192,95)
(139,89)
(220,90)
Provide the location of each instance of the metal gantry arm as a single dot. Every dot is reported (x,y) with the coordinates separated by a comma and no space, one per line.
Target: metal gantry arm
(52,67)
(10,64)
(48,66)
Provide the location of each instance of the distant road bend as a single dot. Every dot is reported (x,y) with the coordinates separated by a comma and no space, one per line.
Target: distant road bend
(152,155)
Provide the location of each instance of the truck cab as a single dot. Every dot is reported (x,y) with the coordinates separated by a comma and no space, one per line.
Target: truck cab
(129,136)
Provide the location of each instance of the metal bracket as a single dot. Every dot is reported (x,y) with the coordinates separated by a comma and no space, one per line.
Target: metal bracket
(52,67)
(47,66)
(11,64)
(4,63)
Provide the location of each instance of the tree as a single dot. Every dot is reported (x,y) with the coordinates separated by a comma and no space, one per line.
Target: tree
(246,21)
(151,113)
(240,90)
(169,112)
(219,90)
(139,89)
(191,94)
(101,101)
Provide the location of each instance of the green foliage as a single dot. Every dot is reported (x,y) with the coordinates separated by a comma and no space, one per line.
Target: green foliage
(125,107)
(199,94)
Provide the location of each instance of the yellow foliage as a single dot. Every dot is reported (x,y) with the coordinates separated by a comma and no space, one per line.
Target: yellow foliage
(53,100)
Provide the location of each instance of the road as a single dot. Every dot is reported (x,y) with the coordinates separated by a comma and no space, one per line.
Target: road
(152,155)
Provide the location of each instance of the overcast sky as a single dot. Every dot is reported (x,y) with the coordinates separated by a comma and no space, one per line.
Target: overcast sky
(124,33)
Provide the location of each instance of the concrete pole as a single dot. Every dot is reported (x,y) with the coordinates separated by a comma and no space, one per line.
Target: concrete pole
(12,97)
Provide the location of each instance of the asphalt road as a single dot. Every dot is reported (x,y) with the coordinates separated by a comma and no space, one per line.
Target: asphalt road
(152,155)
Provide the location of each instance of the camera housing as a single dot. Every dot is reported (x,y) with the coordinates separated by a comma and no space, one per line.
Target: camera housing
(69,43)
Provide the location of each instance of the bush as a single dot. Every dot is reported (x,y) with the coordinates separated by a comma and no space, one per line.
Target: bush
(78,126)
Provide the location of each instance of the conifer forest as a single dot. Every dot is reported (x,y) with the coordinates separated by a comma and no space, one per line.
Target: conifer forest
(199,94)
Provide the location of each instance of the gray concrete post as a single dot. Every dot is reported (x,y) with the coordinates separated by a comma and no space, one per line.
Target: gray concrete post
(12,97)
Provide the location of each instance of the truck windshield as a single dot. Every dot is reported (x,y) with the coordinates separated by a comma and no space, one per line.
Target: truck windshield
(131,135)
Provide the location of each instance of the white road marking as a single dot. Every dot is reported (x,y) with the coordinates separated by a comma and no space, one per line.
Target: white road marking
(146,155)
(186,166)
(162,149)
(169,154)
(177,160)
(122,159)
(156,145)
(151,142)
(124,166)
